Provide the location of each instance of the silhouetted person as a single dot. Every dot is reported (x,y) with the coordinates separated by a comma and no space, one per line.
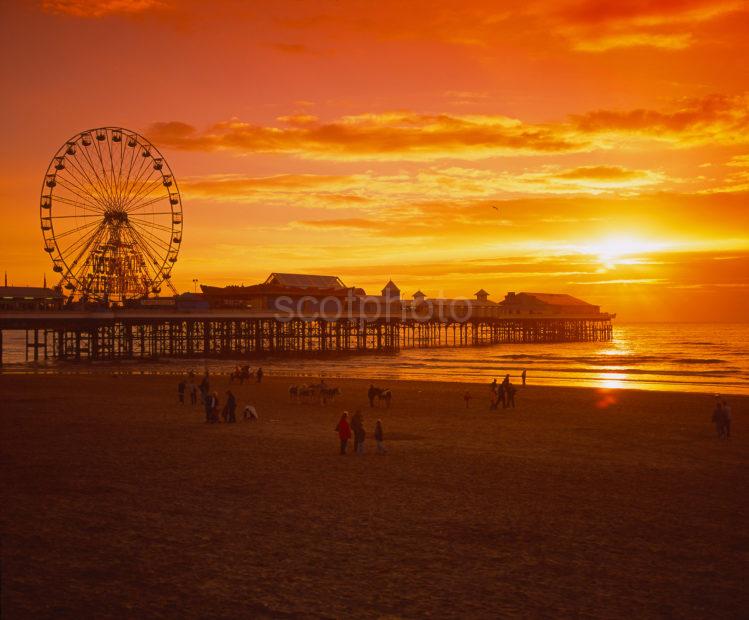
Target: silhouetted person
(205,388)
(213,399)
(510,391)
(493,385)
(523,375)
(719,418)
(207,404)
(181,391)
(467,398)
(357,425)
(726,420)
(502,395)
(379,437)
(193,393)
(344,431)
(259,375)
(371,393)
(231,407)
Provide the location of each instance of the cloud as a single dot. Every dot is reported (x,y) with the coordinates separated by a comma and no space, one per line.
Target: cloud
(411,136)
(593,26)
(100,8)
(711,119)
(370,190)
(292,48)
(357,223)
(391,136)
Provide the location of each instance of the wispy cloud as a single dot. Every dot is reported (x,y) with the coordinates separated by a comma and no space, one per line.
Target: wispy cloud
(100,8)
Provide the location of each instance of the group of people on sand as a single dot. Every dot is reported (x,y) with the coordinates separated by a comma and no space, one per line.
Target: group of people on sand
(722,418)
(355,427)
(210,401)
(504,392)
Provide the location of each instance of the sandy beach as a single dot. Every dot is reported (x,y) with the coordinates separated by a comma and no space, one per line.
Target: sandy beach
(118,501)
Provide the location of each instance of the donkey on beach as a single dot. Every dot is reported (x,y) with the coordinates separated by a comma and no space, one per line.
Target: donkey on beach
(381,394)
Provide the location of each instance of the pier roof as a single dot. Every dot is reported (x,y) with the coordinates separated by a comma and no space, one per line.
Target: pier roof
(303,281)
(29,292)
(556,299)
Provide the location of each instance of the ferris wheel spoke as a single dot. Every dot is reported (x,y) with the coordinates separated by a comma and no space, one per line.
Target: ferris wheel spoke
(156,263)
(135,191)
(122,153)
(126,184)
(95,236)
(151,247)
(147,186)
(64,217)
(78,243)
(74,203)
(101,185)
(70,189)
(140,205)
(155,239)
(75,230)
(79,165)
(79,182)
(130,186)
(137,169)
(147,264)
(109,183)
(111,161)
(92,172)
(141,222)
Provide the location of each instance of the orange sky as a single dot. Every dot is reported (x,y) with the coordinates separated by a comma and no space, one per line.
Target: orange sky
(372,140)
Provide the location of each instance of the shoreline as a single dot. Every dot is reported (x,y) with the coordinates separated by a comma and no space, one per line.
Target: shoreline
(111,369)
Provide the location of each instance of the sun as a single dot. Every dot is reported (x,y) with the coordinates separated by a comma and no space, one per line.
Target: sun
(621,249)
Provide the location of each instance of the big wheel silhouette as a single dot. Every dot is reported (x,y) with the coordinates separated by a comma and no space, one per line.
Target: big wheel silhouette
(111,216)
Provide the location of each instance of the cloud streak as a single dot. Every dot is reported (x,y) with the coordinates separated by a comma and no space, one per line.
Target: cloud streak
(409,136)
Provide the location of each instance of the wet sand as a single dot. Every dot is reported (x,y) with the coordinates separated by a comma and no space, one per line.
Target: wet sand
(117,501)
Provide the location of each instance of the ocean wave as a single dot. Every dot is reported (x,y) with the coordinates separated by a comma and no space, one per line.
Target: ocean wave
(709,360)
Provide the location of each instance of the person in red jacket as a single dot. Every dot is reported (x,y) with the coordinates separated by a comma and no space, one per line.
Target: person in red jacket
(344,431)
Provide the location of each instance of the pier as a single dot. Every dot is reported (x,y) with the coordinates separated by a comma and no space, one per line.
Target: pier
(110,335)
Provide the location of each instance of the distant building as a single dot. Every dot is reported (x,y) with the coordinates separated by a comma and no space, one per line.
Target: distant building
(282,292)
(391,291)
(30,298)
(443,308)
(305,295)
(546,304)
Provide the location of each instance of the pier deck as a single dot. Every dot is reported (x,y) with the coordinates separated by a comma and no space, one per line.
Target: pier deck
(132,334)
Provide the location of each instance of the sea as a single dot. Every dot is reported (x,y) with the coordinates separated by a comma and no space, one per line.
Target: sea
(697,357)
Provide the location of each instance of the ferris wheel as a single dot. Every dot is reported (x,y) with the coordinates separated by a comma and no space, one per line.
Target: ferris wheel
(111,216)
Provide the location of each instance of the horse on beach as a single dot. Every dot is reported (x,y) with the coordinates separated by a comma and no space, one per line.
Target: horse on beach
(240,374)
(381,394)
(307,393)
(329,394)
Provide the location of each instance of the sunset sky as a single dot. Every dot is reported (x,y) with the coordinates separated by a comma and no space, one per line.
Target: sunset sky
(372,140)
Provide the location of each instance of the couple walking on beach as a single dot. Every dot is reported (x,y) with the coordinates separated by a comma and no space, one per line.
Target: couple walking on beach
(356,426)
(228,413)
